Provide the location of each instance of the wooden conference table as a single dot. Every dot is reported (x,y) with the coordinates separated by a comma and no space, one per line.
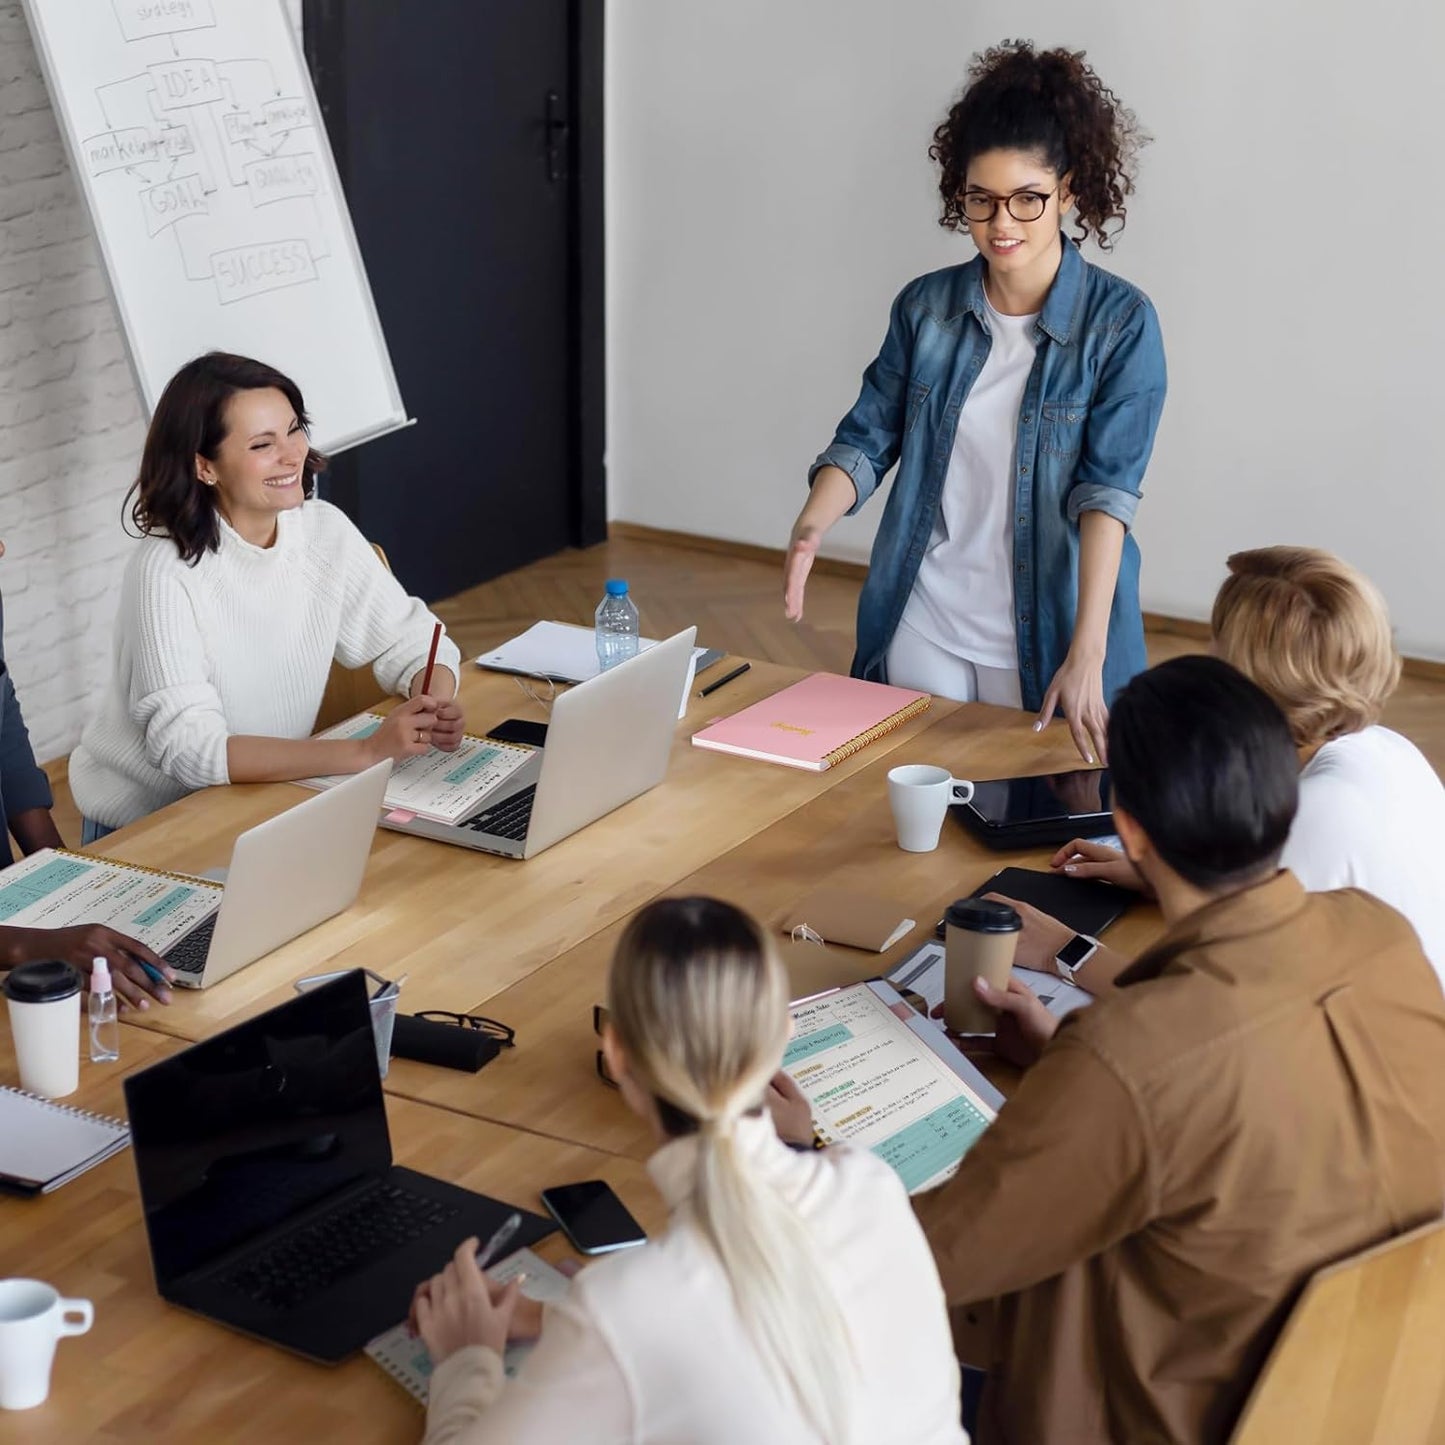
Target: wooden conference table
(843,837)
(148,1371)
(527,943)
(463,925)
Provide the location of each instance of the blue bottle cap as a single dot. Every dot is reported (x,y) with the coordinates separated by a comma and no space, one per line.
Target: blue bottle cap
(617,587)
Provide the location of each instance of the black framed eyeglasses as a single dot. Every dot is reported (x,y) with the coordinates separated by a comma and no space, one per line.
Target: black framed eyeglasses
(599,1018)
(1021,205)
(504,1035)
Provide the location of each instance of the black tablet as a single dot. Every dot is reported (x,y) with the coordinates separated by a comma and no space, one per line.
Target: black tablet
(1087,905)
(1035,812)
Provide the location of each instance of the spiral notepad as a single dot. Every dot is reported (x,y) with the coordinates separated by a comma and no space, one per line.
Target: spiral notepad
(404,1357)
(44,1145)
(815,723)
(55,888)
(445,787)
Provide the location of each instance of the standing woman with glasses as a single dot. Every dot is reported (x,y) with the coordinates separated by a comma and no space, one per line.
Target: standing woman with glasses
(790,1299)
(1019,394)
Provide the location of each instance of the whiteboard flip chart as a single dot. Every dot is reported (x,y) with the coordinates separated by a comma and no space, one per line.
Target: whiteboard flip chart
(195,135)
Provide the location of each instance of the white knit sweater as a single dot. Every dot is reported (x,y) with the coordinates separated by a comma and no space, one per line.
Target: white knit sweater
(241,643)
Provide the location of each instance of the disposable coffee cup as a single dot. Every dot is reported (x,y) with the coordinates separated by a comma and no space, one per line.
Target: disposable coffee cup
(44,1003)
(920,796)
(980,938)
(33,1319)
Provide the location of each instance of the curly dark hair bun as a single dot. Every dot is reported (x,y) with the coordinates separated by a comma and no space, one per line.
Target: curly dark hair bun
(1050,103)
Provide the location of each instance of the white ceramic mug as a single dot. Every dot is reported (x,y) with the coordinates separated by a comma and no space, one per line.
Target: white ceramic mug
(33,1317)
(44,1005)
(919,796)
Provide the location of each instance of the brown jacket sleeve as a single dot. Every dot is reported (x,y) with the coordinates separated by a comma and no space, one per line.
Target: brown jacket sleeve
(1064,1172)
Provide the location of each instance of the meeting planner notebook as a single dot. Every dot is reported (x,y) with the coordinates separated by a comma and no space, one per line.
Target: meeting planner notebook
(879,1076)
(445,787)
(55,888)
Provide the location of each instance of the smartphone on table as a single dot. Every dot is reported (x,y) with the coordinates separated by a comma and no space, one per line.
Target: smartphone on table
(593,1217)
(519,730)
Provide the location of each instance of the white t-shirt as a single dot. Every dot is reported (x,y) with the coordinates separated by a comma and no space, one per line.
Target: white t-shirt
(963,598)
(1372,816)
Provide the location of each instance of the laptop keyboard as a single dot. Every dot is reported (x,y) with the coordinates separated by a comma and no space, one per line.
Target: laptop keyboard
(365,1229)
(189,955)
(507,819)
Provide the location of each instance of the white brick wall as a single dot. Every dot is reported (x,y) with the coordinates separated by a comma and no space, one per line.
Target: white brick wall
(70,422)
(71,426)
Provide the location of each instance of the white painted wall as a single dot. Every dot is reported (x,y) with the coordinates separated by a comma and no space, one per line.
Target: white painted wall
(769,193)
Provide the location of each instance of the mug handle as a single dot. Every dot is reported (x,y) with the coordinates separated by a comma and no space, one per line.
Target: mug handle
(81,1307)
(960,789)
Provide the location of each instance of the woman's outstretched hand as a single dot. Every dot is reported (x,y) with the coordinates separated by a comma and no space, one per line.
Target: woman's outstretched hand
(802,548)
(1078,688)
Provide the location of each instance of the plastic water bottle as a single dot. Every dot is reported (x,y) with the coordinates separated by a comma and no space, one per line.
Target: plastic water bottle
(616,625)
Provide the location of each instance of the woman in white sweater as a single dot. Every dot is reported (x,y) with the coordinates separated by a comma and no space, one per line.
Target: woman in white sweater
(1315,634)
(234,605)
(790,1299)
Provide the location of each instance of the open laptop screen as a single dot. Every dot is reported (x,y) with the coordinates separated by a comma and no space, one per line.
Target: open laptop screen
(249,1128)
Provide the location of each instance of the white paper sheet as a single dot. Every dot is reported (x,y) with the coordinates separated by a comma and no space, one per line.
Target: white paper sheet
(559,650)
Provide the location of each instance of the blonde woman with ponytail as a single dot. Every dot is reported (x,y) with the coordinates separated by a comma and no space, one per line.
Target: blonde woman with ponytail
(791,1300)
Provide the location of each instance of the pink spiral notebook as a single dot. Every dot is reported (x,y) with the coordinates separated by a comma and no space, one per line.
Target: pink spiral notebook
(814,723)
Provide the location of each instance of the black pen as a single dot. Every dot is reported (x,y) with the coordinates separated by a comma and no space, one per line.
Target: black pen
(723,681)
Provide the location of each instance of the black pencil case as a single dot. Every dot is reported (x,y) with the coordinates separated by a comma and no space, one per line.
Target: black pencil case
(451,1047)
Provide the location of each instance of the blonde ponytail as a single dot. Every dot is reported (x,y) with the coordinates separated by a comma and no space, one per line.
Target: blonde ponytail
(700,1004)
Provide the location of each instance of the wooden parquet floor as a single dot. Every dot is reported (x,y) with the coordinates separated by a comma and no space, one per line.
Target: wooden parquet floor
(736,604)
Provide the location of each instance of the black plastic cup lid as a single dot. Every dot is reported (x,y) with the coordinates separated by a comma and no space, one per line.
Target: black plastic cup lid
(982,915)
(41,982)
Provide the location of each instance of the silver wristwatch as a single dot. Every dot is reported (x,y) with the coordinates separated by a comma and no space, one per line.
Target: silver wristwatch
(1074,955)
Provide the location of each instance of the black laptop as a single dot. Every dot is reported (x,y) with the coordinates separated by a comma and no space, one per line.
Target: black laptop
(271,1202)
(1039,811)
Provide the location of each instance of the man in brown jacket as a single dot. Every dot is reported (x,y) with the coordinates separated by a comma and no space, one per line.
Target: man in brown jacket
(1261,1093)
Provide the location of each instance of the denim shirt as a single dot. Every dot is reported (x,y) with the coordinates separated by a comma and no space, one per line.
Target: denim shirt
(1085,430)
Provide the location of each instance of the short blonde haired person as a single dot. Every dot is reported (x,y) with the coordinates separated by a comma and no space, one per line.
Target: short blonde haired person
(772,1305)
(1314,633)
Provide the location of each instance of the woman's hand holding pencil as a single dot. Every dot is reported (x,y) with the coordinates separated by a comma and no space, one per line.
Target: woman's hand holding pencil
(448,722)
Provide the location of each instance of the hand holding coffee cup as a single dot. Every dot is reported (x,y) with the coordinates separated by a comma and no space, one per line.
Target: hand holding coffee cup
(920,796)
(33,1319)
(980,938)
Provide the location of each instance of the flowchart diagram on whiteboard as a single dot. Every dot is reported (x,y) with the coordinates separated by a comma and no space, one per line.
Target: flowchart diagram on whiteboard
(196,138)
(199,137)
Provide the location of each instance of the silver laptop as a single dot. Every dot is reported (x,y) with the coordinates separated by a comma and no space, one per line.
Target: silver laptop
(608,739)
(287,875)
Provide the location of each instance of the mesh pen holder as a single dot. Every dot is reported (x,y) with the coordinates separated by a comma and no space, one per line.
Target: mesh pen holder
(383,1007)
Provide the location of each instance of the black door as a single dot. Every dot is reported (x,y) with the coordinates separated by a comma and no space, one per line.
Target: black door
(457,131)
